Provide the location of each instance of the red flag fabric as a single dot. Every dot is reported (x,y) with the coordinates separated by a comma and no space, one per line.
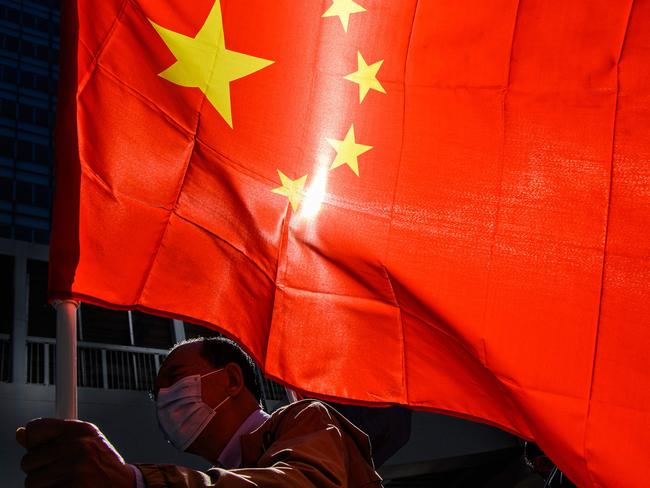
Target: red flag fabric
(437,204)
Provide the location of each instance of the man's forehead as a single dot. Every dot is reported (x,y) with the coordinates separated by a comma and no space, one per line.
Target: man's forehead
(185,360)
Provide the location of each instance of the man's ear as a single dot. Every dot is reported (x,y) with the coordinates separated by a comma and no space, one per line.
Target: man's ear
(235,378)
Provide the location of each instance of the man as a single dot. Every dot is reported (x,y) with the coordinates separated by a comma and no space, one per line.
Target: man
(207,399)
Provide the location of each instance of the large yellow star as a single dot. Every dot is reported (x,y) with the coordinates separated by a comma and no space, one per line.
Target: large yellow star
(347,151)
(366,77)
(292,189)
(203,61)
(343,9)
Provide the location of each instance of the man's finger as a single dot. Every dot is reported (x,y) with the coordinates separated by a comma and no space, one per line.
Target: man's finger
(21,436)
(45,454)
(40,431)
(51,476)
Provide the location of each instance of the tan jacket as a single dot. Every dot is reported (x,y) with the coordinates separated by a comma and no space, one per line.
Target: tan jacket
(305,444)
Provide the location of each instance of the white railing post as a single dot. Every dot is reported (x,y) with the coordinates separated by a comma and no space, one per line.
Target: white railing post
(46,364)
(19,330)
(104,369)
(66,359)
(134,362)
(292,396)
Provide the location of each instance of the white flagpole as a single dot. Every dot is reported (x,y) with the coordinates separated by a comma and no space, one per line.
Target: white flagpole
(66,359)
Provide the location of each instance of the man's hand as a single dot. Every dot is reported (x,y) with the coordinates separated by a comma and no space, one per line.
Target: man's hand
(70,453)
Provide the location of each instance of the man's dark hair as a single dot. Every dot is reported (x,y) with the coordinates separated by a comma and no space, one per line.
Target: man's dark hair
(220,351)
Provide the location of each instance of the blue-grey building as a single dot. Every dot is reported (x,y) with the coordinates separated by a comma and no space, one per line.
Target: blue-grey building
(29,52)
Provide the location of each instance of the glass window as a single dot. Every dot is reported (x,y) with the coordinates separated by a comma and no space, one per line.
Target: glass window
(6,189)
(26,79)
(22,233)
(6,147)
(43,52)
(29,20)
(12,14)
(7,296)
(42,25)
(10,43)
(41,152)
(23,192)
(26,114)
(26,49)
(41,318)
(42,83)
(41,117)
(104,325)
(5,231)
(9,75)
(152,331)
(8,108)
(41,236)
(41,196)
(24,150)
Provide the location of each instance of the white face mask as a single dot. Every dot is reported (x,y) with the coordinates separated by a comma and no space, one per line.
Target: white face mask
(182,413)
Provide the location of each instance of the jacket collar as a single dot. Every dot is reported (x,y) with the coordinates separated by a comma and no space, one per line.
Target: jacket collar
(231,456)
(254,444)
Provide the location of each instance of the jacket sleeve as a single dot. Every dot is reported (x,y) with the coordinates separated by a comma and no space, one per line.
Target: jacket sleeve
(308,451)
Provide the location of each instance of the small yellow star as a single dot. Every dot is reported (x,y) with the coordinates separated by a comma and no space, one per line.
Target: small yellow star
(292,189)
(366,77)
(343,9)
(203,61)
(347,151)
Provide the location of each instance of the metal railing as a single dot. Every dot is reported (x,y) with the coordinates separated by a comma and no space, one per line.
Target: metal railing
(104,366)
(270,389)
(5,358)
(109,366)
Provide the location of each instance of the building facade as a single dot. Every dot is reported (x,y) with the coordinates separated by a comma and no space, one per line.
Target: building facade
(29,52)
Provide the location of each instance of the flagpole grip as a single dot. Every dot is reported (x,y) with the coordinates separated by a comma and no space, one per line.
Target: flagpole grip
(66,359)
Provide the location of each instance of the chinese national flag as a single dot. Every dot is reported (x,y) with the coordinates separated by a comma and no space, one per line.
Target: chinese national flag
(439,204)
